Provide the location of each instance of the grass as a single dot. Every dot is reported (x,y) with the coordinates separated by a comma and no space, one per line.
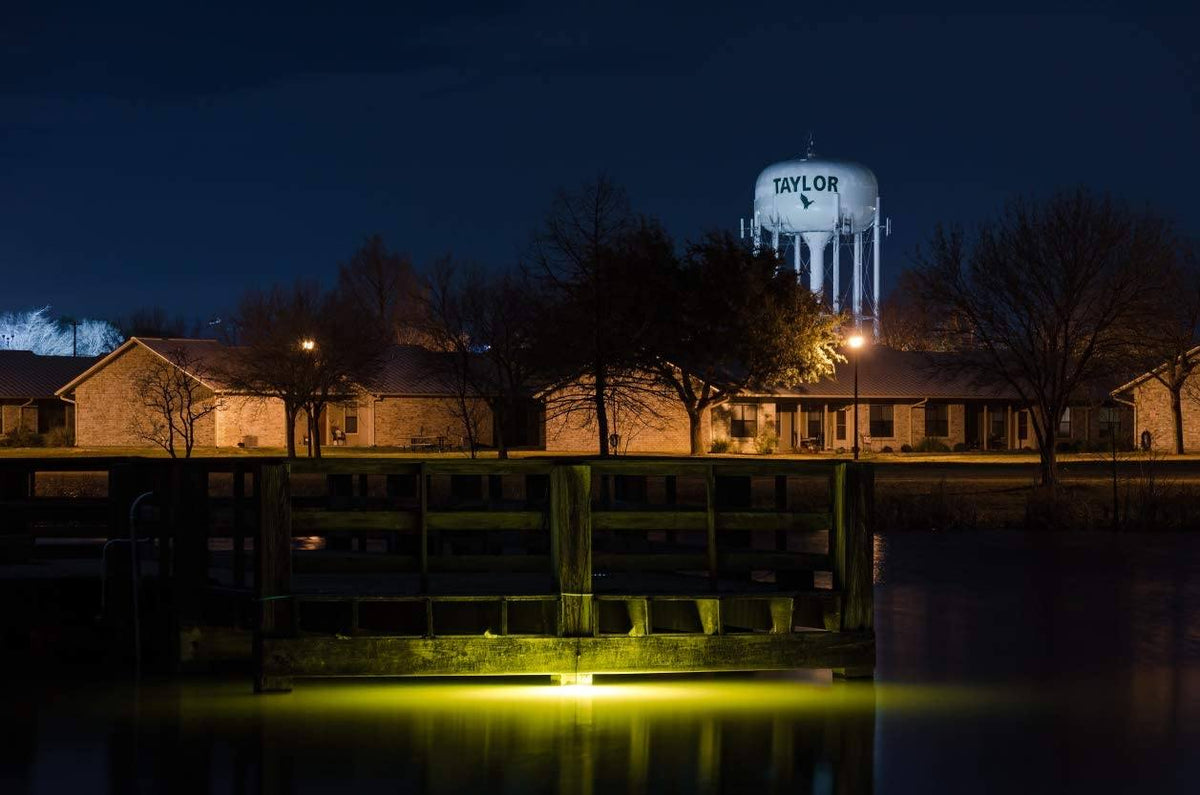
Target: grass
(1021,458)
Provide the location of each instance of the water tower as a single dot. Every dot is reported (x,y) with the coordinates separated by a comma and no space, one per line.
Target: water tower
(812,204)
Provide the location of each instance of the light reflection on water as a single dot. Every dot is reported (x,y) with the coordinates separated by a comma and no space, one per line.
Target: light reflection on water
(1007,663)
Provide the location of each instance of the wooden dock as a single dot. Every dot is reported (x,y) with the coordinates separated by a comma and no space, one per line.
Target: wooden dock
(404,567)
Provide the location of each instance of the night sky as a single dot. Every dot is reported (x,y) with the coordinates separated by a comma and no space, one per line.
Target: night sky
(156,156)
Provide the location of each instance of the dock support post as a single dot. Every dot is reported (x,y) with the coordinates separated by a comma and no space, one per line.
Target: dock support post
(16,541)
(273,569)
(571,531)
(852,548)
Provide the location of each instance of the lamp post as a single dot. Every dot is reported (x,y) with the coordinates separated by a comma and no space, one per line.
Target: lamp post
(855,342)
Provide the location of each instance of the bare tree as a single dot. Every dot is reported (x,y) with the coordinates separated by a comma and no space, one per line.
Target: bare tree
(487,325)
(729,320)
(450,329)
(153,321)
(304,347)
(911,323)
(383,286)
(176,400)
(1043,297)
(1167,343)
(591,256)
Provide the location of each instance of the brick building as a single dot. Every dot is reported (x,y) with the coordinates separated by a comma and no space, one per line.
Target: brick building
(27,391)
(904,399)
(1152,414)
(409,403)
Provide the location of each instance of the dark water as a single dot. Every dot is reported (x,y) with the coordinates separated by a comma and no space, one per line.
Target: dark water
(1007,663)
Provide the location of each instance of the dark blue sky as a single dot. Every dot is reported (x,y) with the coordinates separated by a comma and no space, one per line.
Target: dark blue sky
(159,156)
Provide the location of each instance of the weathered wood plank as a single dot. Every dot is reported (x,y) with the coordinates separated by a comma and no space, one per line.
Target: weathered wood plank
(571,527)
(699,561)
(340,562)
(273,566)
(466,656)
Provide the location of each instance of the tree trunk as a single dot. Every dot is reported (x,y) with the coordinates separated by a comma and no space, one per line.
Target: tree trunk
(1177,416)
(289,417)
(695,430)
(314,434)
(1048,466)
(498,415)
(600,392)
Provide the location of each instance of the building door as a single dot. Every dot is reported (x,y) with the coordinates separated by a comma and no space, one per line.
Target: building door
(974,426)
(785,426)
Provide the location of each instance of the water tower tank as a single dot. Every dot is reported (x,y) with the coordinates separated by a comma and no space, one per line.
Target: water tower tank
(829,205)
(809,193)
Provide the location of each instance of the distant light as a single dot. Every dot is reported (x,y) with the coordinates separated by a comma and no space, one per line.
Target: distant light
(308,345)
(856,341)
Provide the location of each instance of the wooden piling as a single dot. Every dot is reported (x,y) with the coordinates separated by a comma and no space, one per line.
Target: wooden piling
(571,527)
(852,550)
(273,569)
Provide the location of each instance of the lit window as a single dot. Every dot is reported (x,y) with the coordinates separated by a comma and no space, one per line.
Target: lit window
(743,420)
(881,420)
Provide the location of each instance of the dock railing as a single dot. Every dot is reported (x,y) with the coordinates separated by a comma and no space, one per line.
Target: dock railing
(568,567)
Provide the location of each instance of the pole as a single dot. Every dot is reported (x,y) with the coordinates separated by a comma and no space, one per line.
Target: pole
(875,263)
(855,407)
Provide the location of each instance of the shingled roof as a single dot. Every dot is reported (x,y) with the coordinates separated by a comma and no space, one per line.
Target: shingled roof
(413,370)
(206,355)
(889,373)
(25,375)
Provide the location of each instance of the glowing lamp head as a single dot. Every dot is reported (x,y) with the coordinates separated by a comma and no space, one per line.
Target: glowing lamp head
(308,345)
(856,341)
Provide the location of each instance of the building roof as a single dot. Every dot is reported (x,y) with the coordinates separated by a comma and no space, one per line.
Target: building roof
(406,370)
(1125,387)
(206,354)
(413,370)
(26,375)
(889,373)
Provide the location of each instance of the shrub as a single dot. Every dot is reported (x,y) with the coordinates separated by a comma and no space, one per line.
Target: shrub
(929,445)
(21,437)
(720,446)
(906,448)
(940,509)
(59,437)
(766,442)
(887,449)
(1069,446)
(959,447)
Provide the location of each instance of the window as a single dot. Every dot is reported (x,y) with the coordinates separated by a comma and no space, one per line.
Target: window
(1064,423)
(1022,425)
(743,420)
(937,419)
(998,433)
(1110,422)
(881,420)
(351,419)
(815,416)
(840,425)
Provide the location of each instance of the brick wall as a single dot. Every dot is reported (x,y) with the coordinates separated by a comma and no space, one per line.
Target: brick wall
(398,419)
(240,416)
(661,428)
(1154,414)
(109,409)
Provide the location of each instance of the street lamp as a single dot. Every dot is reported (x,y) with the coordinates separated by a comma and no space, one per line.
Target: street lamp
(308,345)
(855,343)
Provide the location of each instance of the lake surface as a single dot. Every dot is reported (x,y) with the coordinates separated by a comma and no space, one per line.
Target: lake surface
(1007,663)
